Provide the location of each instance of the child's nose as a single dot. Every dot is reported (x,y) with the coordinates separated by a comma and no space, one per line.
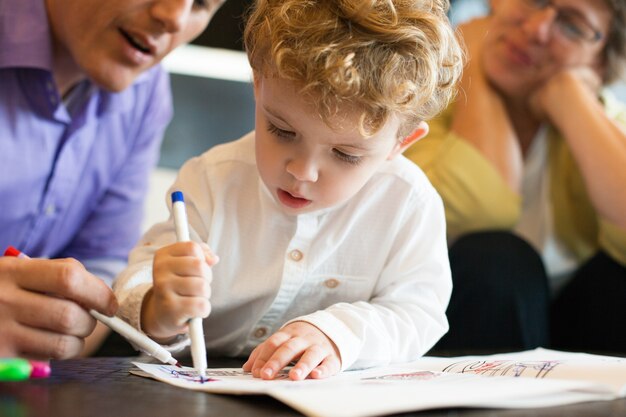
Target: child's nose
(303,169)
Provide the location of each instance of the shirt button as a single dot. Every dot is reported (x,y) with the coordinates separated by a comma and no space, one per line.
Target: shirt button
(295,255)
(331,283)
(260,332)
(50,209)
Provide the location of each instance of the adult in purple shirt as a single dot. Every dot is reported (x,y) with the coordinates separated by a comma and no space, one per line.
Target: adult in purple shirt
(83,107)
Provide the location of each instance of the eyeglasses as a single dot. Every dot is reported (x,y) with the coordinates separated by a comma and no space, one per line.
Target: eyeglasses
(568,23)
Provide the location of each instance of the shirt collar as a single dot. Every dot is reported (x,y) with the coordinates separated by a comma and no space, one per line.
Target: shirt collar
(26,42)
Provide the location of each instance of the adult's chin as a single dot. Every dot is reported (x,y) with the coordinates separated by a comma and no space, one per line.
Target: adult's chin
(114,81)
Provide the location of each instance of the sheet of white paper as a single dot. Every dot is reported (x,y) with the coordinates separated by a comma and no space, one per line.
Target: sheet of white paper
(222,380)
(538,363)
(364,400)
(387,390)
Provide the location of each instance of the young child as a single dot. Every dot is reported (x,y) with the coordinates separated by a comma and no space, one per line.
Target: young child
(332,249)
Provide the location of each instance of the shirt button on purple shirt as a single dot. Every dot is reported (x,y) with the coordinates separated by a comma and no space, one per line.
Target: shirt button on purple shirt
(50,210)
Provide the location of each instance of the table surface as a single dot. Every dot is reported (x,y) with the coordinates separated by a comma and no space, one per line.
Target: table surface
(102,387)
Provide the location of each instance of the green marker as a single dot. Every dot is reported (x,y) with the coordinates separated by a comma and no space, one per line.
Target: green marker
(16,369)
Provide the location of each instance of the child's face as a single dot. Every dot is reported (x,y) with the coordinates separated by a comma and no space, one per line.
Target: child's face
(305,164)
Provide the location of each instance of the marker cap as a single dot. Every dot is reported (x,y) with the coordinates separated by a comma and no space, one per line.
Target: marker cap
(14,369)
(11,251)
(177,196)
(40,369)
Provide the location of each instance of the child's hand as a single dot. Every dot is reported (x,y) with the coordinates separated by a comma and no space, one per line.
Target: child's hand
(316,354)
(182,287)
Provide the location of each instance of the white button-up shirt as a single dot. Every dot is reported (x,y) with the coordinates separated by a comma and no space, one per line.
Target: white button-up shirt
(372,273)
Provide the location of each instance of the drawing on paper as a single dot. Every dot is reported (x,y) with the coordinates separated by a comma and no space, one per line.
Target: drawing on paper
(533,369)
(408,376)
(189,374)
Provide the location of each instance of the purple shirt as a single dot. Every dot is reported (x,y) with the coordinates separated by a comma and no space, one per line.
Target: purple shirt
(72,178)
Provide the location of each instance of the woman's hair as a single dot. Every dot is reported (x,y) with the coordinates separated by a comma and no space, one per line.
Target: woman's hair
(385,57)
(615,48)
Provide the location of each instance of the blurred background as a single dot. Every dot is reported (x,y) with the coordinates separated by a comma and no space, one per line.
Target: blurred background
(213,100)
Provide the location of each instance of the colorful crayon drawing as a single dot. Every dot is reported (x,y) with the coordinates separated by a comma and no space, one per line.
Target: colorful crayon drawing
(534,369)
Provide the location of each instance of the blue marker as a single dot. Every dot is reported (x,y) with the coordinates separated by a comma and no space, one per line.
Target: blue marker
(196,333)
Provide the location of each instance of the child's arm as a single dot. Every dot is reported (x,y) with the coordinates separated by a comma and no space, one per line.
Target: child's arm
(315,353)
(569,100)
(181,290)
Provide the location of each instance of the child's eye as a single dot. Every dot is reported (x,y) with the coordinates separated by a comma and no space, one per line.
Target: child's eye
(350,159)
(285,134)
(199,3)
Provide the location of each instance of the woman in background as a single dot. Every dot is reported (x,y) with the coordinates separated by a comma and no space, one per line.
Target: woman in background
(531,163)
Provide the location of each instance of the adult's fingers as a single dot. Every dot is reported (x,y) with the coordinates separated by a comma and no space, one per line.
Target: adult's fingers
(32,343)
(64,278)
(50,313)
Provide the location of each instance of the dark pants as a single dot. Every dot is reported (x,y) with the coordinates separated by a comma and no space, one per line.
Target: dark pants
(501,300)
(590,313)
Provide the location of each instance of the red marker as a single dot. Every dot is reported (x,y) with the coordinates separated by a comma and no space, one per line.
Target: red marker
(32,369)
(118,325)
(11,251)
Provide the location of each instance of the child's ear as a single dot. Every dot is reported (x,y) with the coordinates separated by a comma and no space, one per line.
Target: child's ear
(420,131)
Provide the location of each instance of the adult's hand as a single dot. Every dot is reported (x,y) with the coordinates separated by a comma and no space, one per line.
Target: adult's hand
(569,100)
(561,90)
(44,307)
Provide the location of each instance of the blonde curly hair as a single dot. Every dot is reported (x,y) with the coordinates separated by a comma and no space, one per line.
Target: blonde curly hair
(386,57)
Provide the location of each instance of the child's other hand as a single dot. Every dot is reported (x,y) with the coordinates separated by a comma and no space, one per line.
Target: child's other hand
(182,287)
(315,353)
